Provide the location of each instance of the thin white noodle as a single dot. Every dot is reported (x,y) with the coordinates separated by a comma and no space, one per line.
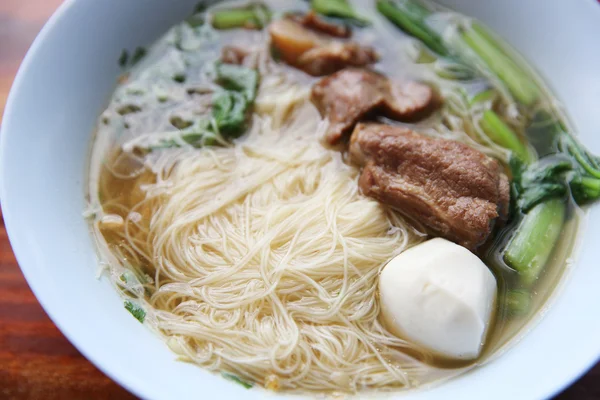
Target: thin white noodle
(265,257)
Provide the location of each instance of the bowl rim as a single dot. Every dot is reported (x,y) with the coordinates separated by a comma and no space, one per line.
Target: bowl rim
(18,248)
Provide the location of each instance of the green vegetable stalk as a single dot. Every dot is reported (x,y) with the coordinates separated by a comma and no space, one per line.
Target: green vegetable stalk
(339,9)
(411,16)
(490,52)
(535,238)
(254,16)
(585,189)
(518,302)
(503,135)
(488,95)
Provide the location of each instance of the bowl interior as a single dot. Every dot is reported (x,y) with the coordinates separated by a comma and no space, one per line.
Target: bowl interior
(64,84)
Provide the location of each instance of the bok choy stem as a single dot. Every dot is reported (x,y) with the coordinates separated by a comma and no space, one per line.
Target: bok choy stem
(411,17)
(535,238)
(254,16)
(490,52)
(338,9)
(503,135)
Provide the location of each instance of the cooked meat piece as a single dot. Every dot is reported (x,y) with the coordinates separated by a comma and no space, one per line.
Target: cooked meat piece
(335,56)
(312,20)
(233,55)
(345,98)
(350,95)
(457,192)
(314,53)
(408,101)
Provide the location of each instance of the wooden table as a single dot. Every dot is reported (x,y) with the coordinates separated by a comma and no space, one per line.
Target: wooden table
(36,361)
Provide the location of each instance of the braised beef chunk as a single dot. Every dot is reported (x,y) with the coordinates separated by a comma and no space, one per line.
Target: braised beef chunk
(352,94)
(408,101)
(233,55)
(457,192)
(315,53)
(345,98)
(335,56)
(312,20)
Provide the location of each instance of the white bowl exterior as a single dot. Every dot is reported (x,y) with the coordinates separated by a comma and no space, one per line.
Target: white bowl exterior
(63,85)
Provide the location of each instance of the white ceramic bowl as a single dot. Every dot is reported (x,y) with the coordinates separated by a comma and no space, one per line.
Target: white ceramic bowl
(67,78)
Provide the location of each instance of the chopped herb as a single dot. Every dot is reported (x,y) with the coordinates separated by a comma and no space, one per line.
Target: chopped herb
(126,125)
(129,109)
(136,311)
(238,78)
(105,120)
(123,58)
(237,380)
(138,54)
(180,123)
(179,78)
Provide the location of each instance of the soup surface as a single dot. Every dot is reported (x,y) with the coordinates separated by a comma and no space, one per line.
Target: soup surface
(261,164)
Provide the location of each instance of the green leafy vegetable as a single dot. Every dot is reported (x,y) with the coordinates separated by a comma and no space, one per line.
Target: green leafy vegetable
(230,108)
(587,162)
(339,9)
(237,380)
(238,78)
(540,191)
(136,311)
(229,111)
(253,16)
(538,182)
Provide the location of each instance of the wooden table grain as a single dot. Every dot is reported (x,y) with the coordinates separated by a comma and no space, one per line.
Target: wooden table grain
(36,360)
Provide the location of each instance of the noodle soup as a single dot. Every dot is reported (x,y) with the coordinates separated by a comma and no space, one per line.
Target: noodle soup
(246,217)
